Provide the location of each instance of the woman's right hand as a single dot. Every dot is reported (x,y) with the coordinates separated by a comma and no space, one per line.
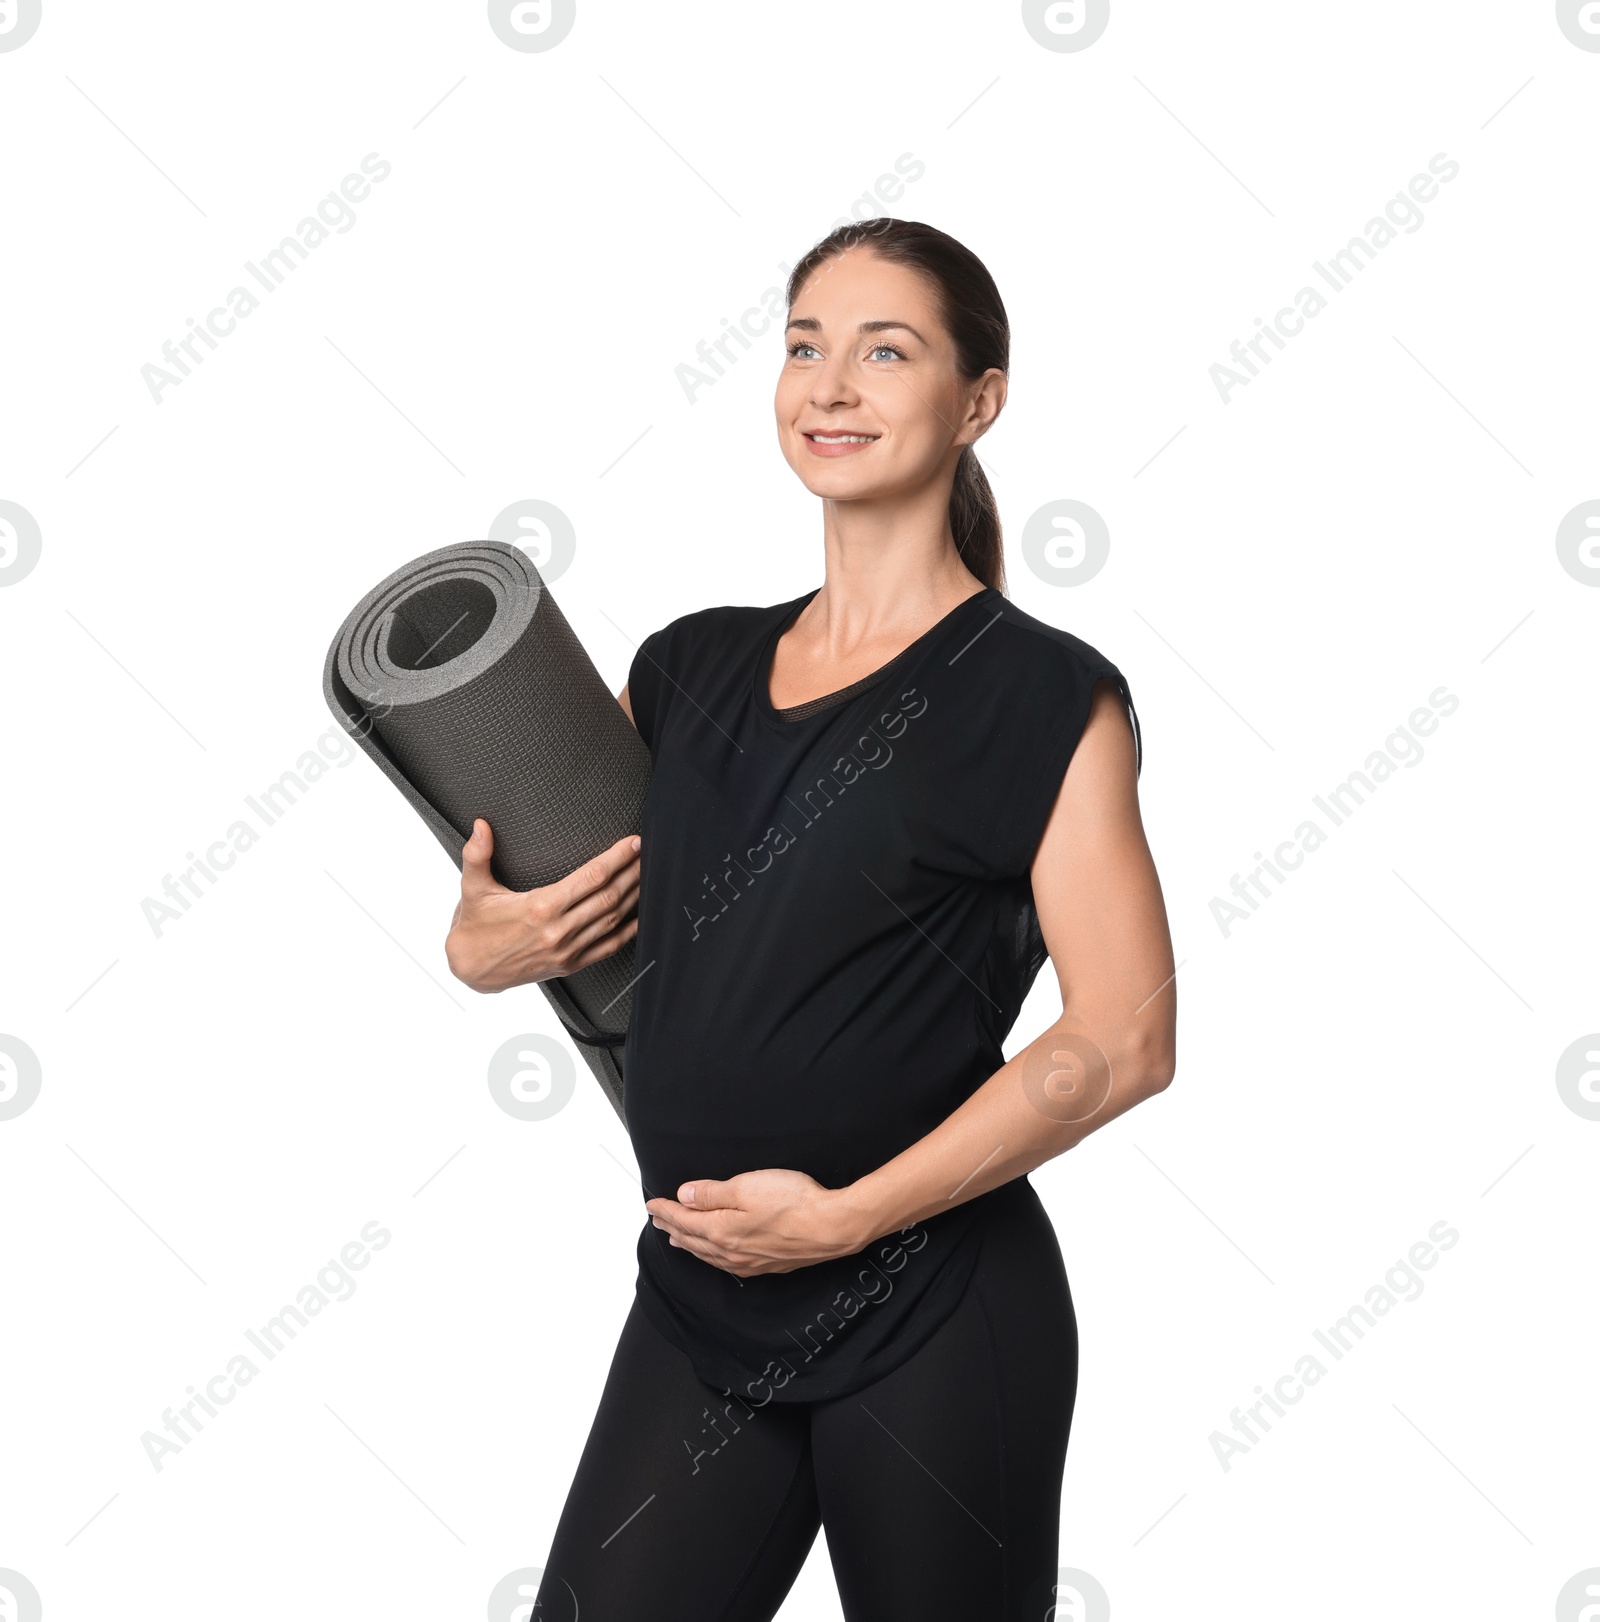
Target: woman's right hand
(501,938)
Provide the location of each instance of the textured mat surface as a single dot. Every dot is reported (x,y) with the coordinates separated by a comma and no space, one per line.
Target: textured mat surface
(462,681)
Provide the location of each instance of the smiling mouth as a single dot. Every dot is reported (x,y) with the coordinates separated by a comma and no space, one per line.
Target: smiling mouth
(842,439)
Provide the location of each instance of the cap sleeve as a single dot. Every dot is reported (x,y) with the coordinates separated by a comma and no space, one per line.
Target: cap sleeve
(1061,714)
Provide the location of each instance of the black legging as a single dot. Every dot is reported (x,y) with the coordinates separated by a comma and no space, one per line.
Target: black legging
(939,1485)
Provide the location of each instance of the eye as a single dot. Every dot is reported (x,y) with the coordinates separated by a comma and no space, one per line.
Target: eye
(799,344)
(886,348)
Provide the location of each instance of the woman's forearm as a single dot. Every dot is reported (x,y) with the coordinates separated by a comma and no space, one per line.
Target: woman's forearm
(1049,1097)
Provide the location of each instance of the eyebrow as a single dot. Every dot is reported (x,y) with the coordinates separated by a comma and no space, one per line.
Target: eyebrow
(808,324)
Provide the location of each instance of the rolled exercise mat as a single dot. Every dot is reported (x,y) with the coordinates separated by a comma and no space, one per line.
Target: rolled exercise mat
(459,676)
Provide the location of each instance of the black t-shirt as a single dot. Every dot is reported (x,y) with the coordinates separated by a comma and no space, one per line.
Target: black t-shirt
(836,932)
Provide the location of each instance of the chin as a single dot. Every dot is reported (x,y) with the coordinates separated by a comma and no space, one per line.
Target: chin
(838,488)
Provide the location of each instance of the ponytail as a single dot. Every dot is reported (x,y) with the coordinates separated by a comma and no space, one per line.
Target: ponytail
(975,522)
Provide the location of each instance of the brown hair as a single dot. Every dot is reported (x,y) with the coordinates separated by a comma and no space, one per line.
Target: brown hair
(976,320)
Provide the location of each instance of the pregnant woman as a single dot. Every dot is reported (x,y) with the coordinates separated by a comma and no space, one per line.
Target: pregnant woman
(874,811)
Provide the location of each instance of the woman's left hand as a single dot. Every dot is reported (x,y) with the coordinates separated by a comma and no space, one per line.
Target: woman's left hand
(761,1222)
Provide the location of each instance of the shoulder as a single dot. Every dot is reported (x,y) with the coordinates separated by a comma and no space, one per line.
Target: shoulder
(690,652)
(710,631)
(1022,692)
(1040,648)
(1049,674)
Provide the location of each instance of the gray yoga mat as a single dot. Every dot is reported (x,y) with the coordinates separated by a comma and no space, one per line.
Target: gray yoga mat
(460,678)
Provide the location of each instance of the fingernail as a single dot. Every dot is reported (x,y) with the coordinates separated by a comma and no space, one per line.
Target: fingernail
(636,841)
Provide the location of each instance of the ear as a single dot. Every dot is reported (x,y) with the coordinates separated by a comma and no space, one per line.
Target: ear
(987,401)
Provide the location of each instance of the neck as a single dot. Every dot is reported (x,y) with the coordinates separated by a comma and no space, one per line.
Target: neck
(891,570)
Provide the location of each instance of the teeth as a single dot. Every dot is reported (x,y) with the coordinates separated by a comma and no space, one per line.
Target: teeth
(843,439)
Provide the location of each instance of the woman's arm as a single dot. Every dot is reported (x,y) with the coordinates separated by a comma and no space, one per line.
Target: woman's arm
(1104,923)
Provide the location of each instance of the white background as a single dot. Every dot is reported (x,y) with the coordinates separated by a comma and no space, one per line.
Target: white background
(1374,1050)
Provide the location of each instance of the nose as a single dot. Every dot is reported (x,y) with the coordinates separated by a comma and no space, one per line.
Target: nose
(832,386)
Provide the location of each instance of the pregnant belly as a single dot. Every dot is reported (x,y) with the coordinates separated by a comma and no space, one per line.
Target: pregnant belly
(832,1147)
(835,1119)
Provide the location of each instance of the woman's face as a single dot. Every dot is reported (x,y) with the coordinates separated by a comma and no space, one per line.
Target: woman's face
(871,368)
